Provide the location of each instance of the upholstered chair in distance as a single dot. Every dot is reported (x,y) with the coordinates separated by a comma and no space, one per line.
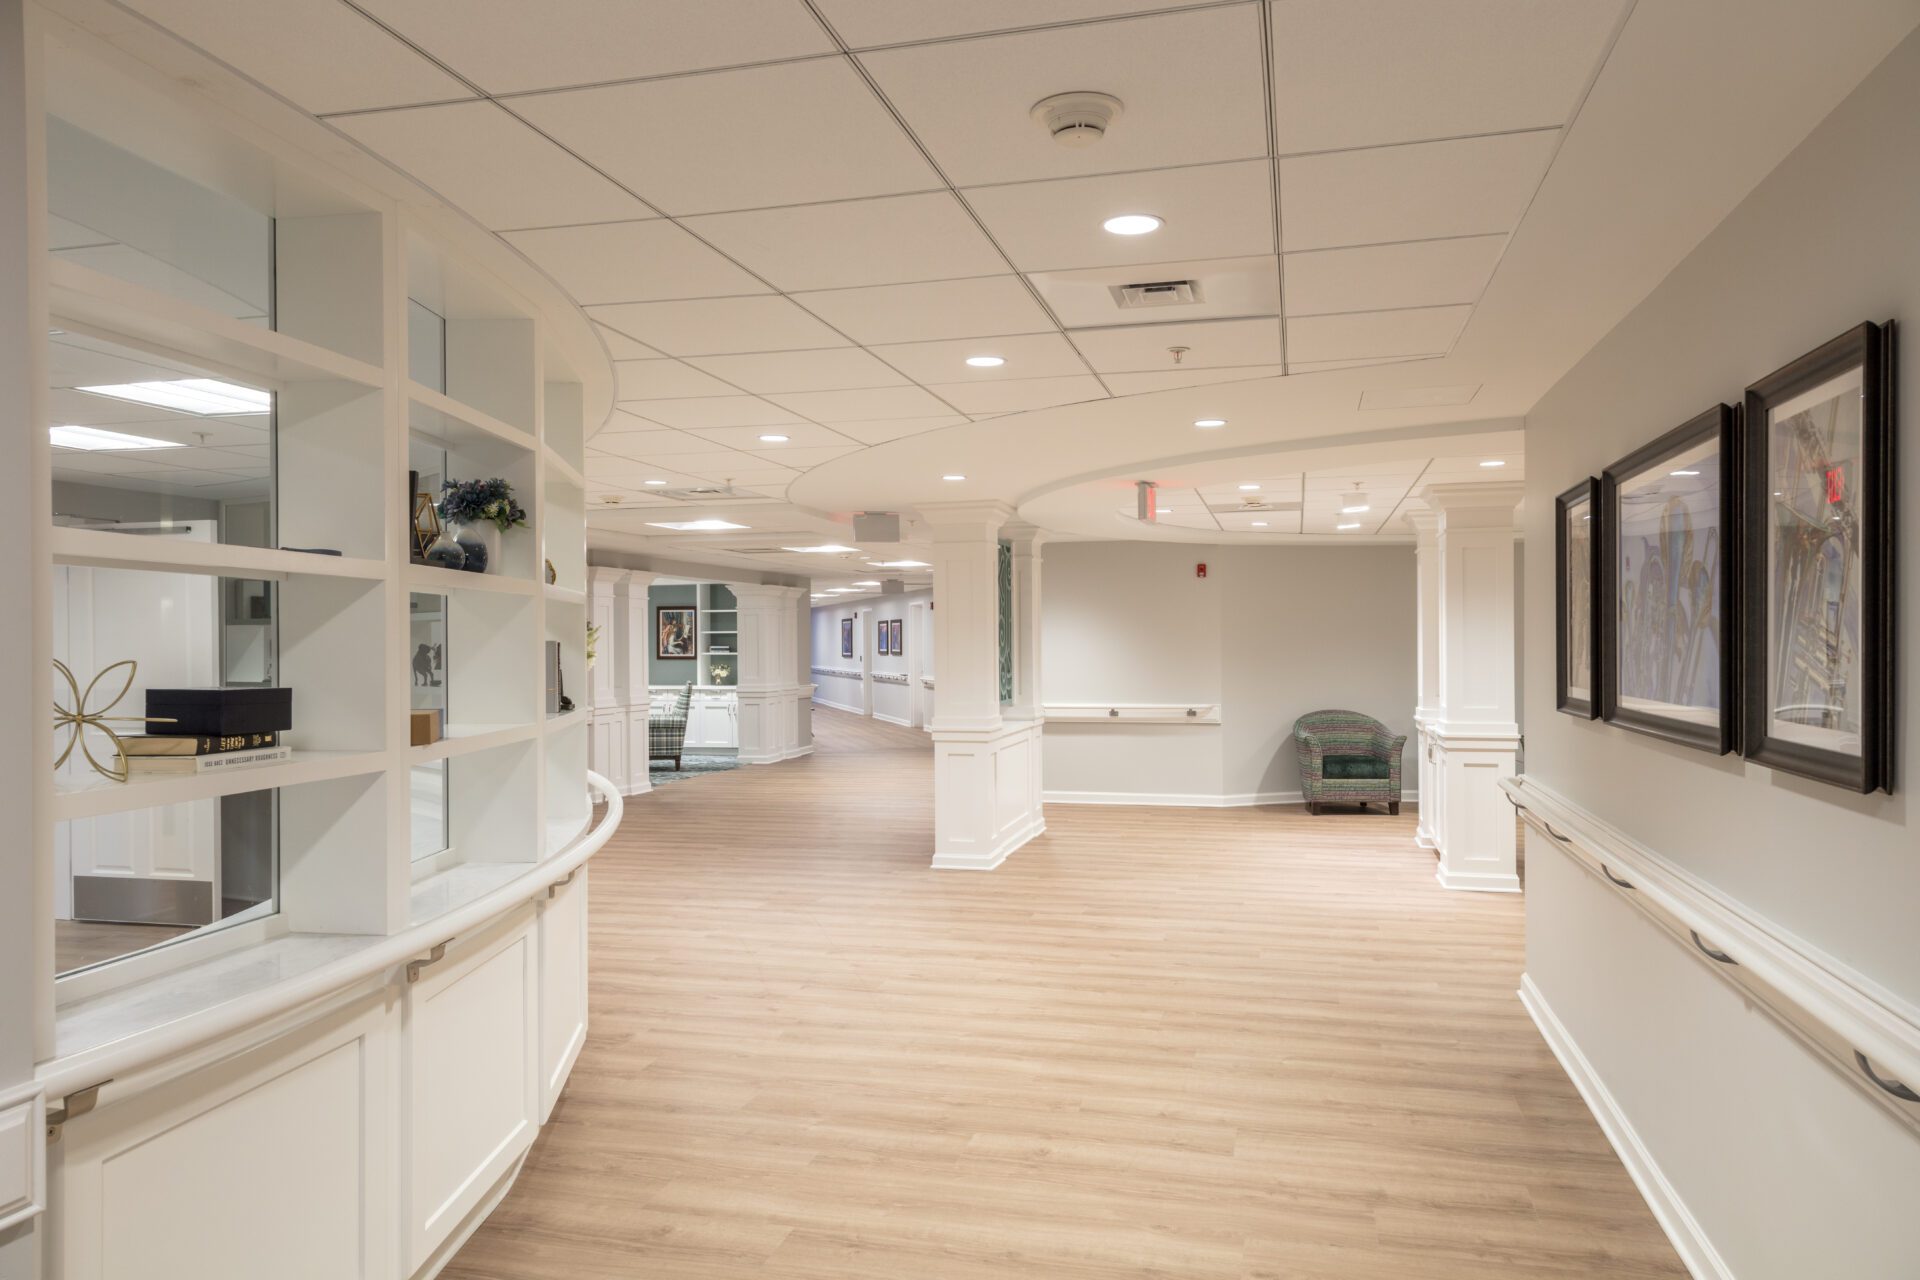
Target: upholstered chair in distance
(667,728)
(1348,758)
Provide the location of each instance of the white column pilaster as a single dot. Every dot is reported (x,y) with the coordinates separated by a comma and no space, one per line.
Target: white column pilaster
(986,766)
(628,648)
(1426,710)
(768,687)
(1475,737)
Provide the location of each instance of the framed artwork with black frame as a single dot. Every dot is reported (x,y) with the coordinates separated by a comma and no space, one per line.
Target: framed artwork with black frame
(880,638)
(676,631)
(846,637)
(1817,616)
(1576,627)
(1667,575)
(896,638)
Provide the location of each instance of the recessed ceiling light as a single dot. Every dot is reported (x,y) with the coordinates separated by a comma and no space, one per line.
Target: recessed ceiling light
(1259,524)
(206,397)
(824,549)
(1683,473)
(653,482)
(694,526)
(1208,423)
(774,439)
(95,438)
(866,584)
(1494,462)
(986,362)
(899,564)
(1355,524)
(1248,488)
(1132,224)
(953,477)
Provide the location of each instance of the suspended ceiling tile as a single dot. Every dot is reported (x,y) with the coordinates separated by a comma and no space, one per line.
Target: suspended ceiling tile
(1146,348)
(800,435)
(1473,186)
(1225,287)
(715,411)
(632,262)
(719,326)
(507,46)
(1016,395)
(834,369)
(1209,211)
(1360,73)
(874,404)
(280,44)
(621,347)
(761,136)
(863,23)
(658,443)
(895,428)
(1418,397)
(1131,384)
(1190,84)
(803,459)
(988,306)
(1427,273)
(1032,355)
(1365,334)
(1259,521)
(885,240)
(1328,366)
(664,380)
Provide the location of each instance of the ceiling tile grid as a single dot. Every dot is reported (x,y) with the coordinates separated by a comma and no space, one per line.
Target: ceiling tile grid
(810,215)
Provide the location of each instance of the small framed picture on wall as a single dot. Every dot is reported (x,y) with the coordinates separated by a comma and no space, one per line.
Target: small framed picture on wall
(894,637)
(676,631)
(1817,592)
(1667,576)
(846,637)
(1576,630)
(880,638)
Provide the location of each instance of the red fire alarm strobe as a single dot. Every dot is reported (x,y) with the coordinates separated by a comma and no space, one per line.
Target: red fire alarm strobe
(1200,571)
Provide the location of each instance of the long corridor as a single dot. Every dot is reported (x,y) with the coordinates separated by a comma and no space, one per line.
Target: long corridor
(1238,1044)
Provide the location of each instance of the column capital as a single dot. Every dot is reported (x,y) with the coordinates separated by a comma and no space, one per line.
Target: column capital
(1474,506)
(1027,539)
(965,521)
(1425,523)
(763,593)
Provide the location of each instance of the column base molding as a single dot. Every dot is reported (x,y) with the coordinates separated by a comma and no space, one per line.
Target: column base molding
(1477,881)
(987,800)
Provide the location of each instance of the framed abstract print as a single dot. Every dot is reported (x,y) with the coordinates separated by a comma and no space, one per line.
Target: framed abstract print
(880,638)
(895,638)
(675,631)
(1817,621)
(1576,629)
(1666,584)
(846,637)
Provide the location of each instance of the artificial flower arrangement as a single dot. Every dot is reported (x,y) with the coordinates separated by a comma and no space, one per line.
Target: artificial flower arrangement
(477,501)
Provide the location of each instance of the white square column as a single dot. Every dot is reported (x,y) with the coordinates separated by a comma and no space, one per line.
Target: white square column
(1476,740)
(1426,709)
(986,766)
(770,692)
(618,734)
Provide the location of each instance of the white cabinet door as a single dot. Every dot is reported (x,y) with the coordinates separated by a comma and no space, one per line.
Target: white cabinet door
(712,724)
(473,1084)
(563,987)
(273,1162)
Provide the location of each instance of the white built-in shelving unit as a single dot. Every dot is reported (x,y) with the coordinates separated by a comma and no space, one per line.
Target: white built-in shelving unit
(430,1008)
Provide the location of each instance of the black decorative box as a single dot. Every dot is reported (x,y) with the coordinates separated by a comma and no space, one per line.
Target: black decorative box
(249,709)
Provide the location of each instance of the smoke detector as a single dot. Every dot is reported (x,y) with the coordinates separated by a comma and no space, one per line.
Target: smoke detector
(1077,119)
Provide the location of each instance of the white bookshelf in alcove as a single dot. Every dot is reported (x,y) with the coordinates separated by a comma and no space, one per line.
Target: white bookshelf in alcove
(458,978)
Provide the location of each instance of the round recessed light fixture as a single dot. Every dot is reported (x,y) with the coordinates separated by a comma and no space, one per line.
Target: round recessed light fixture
(774,439)
(1248,488)
(1259,524)
(953,478)
(1206,424)
(986,362)
(1133,224)
(653,482)
(1494,462)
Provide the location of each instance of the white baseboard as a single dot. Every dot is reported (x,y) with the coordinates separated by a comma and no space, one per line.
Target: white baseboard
(1187,800)
(993,857)
(819,701)
(1476,882)
(1701,1259)
(778,757)
(899,720)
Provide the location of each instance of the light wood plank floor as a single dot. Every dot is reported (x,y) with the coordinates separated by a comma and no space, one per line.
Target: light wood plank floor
(1236,1044)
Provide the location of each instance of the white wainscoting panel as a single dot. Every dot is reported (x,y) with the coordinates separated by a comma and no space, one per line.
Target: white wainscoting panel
(563,987)
(23,1165)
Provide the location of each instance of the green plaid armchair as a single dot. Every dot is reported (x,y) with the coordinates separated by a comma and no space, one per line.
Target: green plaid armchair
(1348,758)
(667,728)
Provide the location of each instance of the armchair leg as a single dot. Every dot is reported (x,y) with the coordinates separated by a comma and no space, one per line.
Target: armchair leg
(1393,808)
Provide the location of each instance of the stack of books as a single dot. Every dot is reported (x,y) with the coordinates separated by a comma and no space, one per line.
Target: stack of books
(152,754)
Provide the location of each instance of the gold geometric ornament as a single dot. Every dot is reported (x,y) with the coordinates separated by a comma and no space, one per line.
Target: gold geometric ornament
(81,718)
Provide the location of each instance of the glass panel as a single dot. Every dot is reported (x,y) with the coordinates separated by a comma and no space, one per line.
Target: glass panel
(427,639)
(113,212)
(128,881)
(426,346)
(152,446)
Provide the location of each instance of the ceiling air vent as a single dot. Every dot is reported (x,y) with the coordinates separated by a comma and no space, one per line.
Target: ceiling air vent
(1157,293)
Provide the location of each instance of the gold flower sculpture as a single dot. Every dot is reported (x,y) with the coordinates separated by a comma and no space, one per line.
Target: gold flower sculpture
(80,718)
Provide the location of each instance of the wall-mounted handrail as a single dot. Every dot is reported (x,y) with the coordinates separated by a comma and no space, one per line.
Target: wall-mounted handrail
(120,1058)
(1841,1013)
